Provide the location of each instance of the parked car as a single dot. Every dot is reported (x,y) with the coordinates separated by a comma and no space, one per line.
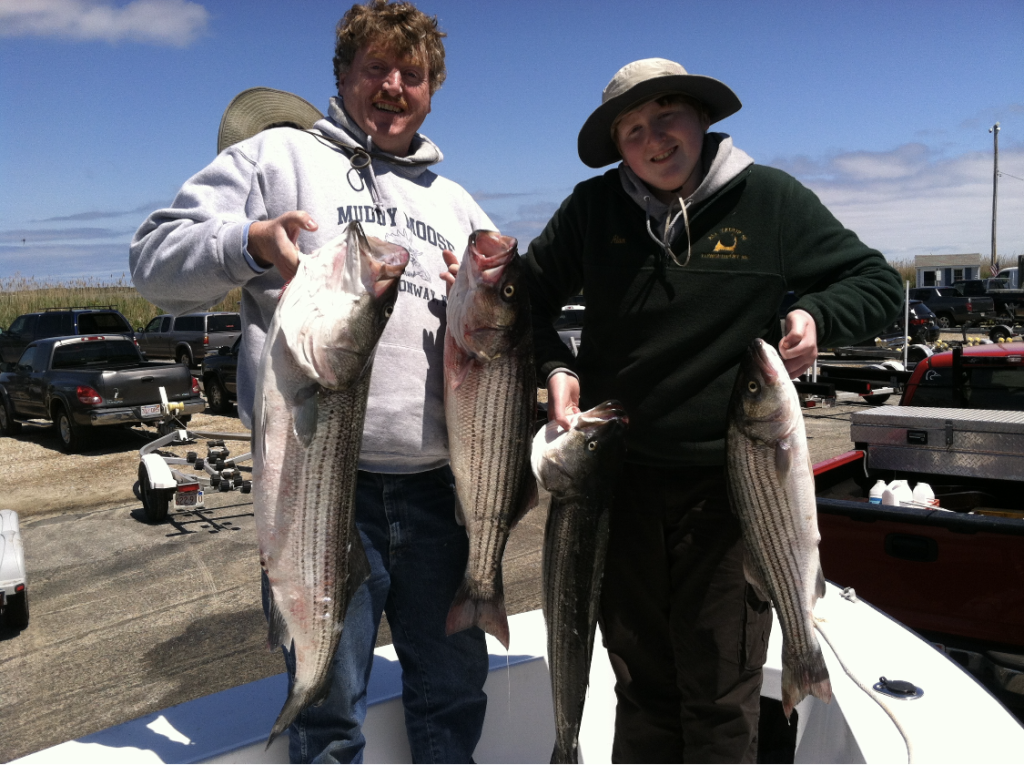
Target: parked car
(83,382)
(59,322)
(923,329)
(975,377)
(190,337)
(953,309)
(1009,302)
(569,326)
(13,588)
(219,374)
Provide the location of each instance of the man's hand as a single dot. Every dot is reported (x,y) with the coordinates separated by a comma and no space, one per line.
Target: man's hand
(563,398)
(799,347)
(448,277)
(274,242)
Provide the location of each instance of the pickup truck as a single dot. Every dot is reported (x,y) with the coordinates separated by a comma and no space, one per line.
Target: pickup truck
(83,382)
(1008,302)
(952,309)
(188,338)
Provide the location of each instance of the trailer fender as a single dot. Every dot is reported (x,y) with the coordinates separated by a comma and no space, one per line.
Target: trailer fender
(158,471)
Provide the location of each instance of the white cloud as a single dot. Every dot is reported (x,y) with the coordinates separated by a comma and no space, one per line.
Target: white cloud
(914,201)
(163,22)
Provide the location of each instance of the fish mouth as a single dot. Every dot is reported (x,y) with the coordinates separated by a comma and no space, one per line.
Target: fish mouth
(761,356)
(601,414)
(491,252)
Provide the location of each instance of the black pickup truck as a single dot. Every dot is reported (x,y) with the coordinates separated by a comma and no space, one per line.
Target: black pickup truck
(952,309)
(1008,302)
(83,382)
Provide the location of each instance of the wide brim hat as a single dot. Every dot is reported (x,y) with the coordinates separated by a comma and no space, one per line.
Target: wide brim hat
(257,109)
(641,81)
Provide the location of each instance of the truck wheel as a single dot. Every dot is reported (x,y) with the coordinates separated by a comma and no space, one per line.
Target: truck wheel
(8,426)
(945,321)
(154,501)
(16,612)
(216,396)
(183,356)
(72,436)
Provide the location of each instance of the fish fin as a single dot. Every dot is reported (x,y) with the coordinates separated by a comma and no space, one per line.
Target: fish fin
(460,514)
(304,415)
(804,675)
(358,569)
(753,578)
(783,459)
(819,584)
(278,634)
(488,614)
(460,372)
(563,752)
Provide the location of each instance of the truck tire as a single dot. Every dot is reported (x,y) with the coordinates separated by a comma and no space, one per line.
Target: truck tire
(183,356)
(8,426)
(16,612)
(216,395)
(154,501)
(71,435)
(945,321)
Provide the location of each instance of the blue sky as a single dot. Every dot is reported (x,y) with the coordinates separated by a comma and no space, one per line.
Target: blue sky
(883,108)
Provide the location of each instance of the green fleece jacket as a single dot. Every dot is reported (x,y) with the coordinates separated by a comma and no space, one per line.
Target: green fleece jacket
(666,340)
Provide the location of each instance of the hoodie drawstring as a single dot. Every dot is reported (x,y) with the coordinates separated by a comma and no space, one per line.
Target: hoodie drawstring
(663,243)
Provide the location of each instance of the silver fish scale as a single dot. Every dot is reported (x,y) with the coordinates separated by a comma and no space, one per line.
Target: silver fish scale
(493,409)
(775,545)
(575,545)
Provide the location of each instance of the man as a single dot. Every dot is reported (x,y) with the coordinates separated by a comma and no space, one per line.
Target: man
(684,253)
(243,221)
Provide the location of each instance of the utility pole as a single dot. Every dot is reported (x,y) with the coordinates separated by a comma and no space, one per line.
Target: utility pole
(994,130)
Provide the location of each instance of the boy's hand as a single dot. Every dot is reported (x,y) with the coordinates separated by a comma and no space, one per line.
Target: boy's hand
(799,347)
(563,398)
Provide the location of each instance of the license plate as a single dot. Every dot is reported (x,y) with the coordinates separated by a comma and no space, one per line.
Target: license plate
(151,410)
(188,498)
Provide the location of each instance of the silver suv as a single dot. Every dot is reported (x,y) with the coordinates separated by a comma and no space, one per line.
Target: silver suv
(190,337)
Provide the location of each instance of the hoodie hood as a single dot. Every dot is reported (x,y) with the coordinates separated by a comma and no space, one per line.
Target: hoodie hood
(721,161)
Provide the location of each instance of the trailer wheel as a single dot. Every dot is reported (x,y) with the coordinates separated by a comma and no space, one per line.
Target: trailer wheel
(154,501)
(1000,333)
(16,612)
(876,399)
(72,436)
(8,426)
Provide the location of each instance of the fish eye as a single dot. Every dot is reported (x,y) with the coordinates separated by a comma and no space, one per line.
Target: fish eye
(592,446)
(388,310)
(509,290)
(753,386)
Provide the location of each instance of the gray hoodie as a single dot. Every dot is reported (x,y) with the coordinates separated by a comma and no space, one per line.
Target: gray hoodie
(189,256)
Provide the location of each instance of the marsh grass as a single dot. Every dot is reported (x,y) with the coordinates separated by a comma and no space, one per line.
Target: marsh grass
(19,294)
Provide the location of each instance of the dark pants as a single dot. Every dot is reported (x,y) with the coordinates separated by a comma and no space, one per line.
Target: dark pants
(685,633)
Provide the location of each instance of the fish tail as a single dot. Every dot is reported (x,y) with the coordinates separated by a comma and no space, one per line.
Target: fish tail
(487,613)
(298,699)
(804,675)
(564,752)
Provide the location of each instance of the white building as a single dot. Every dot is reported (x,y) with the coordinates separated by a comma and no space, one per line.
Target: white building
(943,270)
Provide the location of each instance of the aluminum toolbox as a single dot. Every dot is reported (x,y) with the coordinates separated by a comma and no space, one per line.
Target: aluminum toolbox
(958,442)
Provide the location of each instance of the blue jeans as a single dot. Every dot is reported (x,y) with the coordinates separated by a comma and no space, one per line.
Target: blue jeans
(417,555)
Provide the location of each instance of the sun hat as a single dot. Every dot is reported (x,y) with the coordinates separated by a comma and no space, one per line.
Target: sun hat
(257,109)
(638,82)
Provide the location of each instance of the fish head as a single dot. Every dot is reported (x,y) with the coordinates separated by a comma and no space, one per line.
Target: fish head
(488,309)
(338,305)
(764,401)
(572,461)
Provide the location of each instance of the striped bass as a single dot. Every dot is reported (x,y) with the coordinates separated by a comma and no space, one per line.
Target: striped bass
(771,488)
(490,399)
(579,467)
(312,388)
